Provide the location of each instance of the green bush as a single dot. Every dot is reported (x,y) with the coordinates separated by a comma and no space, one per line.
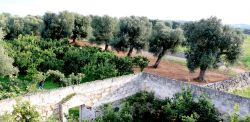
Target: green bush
(144,107)
(12,87)
(124,65)
(140,61)
(73,79)
(25,112)
(99,71)
(55,76)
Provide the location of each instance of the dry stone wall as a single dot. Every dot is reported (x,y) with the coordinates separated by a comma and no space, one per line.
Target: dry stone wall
(241,81)
(99,92)
(91,93)
(164,87)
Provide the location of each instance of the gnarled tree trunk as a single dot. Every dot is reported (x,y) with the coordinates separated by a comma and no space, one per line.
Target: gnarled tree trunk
(106,46)
(162,53)
(74,40)
(130,51)
(202,74)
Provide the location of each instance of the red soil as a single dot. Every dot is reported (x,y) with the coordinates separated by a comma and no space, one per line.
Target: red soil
(170,69)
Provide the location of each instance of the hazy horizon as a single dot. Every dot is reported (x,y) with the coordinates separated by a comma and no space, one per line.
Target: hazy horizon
(230,11)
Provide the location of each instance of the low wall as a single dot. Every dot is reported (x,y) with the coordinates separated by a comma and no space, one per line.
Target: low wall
(241,81)
(97,92)
(224,102)
(109,90)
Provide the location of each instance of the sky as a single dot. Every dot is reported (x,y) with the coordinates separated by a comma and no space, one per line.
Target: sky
(230,11)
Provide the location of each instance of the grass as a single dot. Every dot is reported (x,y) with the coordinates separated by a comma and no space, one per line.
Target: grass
(181,49)
(74,112)
(245,59)
(183,63)
(50,85)
(245,92)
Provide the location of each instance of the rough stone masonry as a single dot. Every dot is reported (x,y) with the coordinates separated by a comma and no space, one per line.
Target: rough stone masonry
(99,92)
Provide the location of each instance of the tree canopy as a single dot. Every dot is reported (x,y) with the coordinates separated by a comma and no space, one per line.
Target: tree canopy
(164,39)
(104,29)
(133,33)
(6,62)
(209,42)
(82,27)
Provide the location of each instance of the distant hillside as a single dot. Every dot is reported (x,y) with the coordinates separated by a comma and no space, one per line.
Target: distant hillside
(242,26)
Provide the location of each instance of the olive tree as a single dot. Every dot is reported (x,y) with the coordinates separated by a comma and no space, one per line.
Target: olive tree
(104,29)
(51,26)
(58,26)
(82,27)
(3,21)
(5,61)
(133,33)
(32,25)
(14,27)
(164,39)
(67,23)
(209,42)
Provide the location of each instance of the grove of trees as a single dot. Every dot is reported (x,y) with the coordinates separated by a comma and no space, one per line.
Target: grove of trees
(38,46)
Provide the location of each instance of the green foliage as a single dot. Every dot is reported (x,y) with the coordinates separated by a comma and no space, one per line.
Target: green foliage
(48,84)
(163,40)
(6,62)
(104,29)
(192,118)
(59,78)
(246,52)
(67,98)
(82,27)
(12,87)
(32,25)
(99,71)
(133,33)
(25,112)
(73,79)
(51,26)
(74,113)
(109,115)
(235,116)
(67,23)
(209,42)
(14,27)
(245,92)
(124,65)
(140,61)
(55,76)
(144,107)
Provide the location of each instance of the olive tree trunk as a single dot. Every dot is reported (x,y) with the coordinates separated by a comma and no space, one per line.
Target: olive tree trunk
(106,46)
(202,74)
(130,51)
(162,53)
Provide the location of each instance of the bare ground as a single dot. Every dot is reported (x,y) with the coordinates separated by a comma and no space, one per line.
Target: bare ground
(173,69)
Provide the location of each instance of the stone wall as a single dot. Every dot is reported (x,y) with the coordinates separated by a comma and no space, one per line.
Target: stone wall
(109,90)
(92,93)
(164,87)
(241,81)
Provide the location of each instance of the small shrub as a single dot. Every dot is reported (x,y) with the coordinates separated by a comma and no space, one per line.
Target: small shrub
(55,76)
(140,61)
(123,65)
(144,107)
(73,79)
(99,71)
(25,112)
